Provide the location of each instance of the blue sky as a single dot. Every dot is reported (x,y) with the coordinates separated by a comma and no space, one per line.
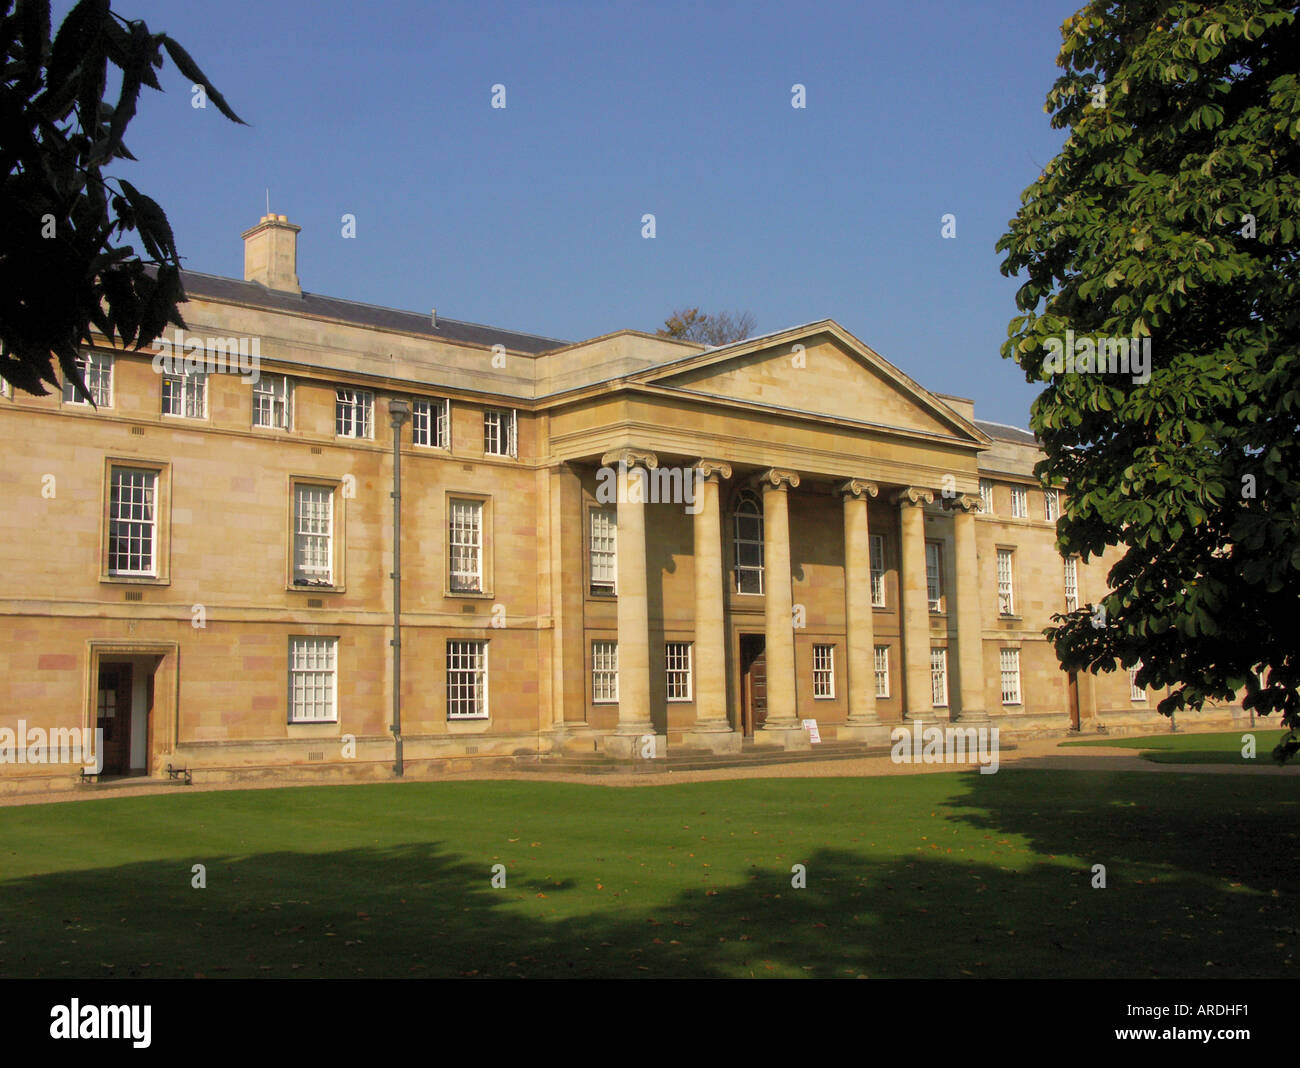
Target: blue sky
(529,217)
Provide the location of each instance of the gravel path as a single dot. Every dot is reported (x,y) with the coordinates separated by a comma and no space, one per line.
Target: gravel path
(1038,754)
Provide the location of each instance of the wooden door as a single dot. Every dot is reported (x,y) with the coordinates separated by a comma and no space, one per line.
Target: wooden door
(113,716)
(1074,700)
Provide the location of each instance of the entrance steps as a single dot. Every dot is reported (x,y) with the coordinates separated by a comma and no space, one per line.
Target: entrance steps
(685,758)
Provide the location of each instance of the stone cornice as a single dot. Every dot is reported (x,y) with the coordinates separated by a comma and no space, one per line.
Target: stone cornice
(914,495)
(628,457)
(858,489)
(777,478)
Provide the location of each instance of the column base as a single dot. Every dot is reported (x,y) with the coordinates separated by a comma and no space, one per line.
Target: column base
(788,735)
(636,744)
(930,715)
(715,737)
(873,734)
(575,739)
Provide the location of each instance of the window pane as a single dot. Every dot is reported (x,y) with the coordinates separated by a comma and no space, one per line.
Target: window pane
(882,670)
(467,680)
(312,679)
(678,658)
(131,522)
(466,544)
(313,530)
(271,402)
(747,544)
(604,671)
(604,561)
(877,570)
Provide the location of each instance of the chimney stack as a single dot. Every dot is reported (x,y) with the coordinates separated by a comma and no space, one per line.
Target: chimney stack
(271,254)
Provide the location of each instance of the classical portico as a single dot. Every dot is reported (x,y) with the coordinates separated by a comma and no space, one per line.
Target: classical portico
(843,477)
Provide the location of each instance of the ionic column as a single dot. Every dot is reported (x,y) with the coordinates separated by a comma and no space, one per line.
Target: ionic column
(917,698)
(859,624)
(778,598)
(710,632)
(633,617)
(970,622)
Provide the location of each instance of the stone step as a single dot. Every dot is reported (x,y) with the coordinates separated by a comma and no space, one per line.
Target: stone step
(685,758)
(682,758)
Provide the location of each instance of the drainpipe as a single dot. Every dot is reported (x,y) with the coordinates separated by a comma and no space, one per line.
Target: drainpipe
(399,411)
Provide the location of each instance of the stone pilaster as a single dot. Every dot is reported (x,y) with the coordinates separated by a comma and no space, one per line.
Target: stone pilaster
(782,726)
(970,620)
(863,723)
(712,728)
(633,618)
(917,698)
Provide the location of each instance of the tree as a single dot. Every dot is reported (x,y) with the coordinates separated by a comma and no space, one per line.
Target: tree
(691,324)
(62,266)
(1169,220)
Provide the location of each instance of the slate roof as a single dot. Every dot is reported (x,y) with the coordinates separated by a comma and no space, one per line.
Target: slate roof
(214,287)
(1002,432)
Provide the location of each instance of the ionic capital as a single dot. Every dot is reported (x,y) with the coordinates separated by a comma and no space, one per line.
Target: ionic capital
(914,495)
(709,468)
(962,502)
(857,489)
(777,478)
(630,458)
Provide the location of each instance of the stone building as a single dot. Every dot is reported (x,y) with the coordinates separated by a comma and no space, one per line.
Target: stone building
(600,541)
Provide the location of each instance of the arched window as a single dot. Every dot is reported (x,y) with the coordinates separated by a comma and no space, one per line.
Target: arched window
(747,539)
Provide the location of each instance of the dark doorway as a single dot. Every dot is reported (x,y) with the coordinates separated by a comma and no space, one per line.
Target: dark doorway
(1074,701)
(113,716)
(753,682)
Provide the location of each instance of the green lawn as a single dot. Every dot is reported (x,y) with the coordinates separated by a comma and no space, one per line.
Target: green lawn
(928,875)
(1221,748)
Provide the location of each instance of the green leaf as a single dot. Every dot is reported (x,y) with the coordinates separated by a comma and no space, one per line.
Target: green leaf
(190,69)
(152,225)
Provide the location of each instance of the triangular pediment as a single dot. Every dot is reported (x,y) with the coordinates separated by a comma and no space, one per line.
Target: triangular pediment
(815,370)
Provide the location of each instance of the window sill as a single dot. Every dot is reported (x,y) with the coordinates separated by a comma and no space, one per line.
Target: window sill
(296,587)
(134,580)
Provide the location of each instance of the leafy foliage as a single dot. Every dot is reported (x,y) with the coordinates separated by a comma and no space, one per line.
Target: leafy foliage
(723,328)
(62,266)
(1171,214)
